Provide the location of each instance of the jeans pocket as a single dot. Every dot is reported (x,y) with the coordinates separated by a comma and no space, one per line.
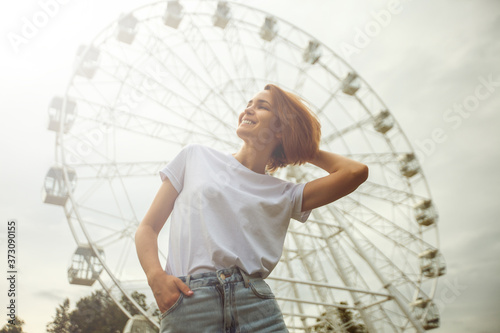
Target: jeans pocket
(173,307)
(261,289)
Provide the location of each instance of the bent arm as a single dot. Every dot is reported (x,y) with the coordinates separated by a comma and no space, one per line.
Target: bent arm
(345,175)
(166,288)
(146,236)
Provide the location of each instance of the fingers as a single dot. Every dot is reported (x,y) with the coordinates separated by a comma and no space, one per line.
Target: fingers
(183,287)
(167,289)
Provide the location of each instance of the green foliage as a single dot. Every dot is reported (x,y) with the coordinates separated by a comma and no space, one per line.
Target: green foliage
(61,323)
(139,298)
(17,328)
(96,313)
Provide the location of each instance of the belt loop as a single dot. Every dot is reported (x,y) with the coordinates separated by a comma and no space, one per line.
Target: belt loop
(246,278)
(188,280)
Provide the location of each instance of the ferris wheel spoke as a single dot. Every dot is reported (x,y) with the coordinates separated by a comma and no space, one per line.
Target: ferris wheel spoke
(124,255)
(301,77)
(400,298)
(214,66)
(92,171)
(346,130)
(119,215)
(180,82)
(386,228)
(241,63)
(112,218)
(379,259)
(154,128)
(293,290)
(387,193)
(127,199)
(374,158)
(311,265)
(348,273)
(292,46)
(75,150)
(314,273)
(351,277)
(328,286)
(160,85)
(350,122)
(270,63)
(125,229)
(111,237)
(209,86)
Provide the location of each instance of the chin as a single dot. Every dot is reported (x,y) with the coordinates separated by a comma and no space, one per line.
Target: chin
(239,133)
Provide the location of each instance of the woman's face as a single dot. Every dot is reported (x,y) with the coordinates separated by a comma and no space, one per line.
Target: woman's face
(258,122)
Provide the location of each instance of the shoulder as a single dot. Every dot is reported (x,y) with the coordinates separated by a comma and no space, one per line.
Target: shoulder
(199,148)
(193,148)
(201,152)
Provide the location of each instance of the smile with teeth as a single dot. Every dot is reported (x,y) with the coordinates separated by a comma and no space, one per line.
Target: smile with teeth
(246,121)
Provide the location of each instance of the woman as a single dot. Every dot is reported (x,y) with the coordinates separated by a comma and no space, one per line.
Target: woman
(229,218)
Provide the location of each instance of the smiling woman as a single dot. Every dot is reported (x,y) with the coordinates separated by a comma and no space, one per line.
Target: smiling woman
(303,130)
(229,218)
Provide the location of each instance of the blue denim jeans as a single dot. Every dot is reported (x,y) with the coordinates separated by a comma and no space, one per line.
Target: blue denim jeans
(226,301)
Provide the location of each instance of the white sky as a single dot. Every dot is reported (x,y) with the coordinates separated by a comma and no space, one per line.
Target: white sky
(429,57)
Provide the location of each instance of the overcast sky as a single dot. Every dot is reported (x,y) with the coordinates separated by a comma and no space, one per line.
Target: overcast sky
(431,56)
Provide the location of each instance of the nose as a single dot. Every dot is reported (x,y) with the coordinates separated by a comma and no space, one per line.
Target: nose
(249,110)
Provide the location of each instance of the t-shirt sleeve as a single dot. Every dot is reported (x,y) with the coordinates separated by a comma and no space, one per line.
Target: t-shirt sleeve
(176,168)
(297,213)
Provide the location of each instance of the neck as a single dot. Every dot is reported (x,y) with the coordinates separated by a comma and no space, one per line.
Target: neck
(253,158)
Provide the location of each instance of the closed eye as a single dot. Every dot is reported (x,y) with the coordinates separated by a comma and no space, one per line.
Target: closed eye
(260,104)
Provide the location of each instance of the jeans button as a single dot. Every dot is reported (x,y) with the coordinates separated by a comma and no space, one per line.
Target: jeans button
(222,276)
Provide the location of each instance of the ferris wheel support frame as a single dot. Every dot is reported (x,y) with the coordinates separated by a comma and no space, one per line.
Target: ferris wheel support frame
(345,279)
(387,285)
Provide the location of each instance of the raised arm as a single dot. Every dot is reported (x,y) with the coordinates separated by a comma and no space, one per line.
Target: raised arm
(166,288)
(345,175)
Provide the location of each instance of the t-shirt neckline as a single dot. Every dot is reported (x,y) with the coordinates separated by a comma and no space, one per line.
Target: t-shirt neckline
(235,161)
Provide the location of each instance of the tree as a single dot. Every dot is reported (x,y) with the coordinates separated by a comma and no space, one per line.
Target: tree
(17,328)
(140,299)
(61,323)
(97,313)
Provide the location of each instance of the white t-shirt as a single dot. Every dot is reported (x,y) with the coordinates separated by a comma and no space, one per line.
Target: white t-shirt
(226,214)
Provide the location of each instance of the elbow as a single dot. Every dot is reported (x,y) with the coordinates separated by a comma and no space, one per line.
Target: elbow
(137,234)
(360,174)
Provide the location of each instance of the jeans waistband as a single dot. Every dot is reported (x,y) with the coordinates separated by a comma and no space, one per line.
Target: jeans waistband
(221,276)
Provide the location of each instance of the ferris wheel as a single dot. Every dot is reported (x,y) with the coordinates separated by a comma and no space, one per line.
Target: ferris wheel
(177,72)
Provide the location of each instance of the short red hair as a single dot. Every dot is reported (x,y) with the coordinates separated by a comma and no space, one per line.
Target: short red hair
(300,129)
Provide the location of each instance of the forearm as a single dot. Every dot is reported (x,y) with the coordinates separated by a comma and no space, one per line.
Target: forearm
(146,242)
(331,163)
(345,175)
(166,288)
